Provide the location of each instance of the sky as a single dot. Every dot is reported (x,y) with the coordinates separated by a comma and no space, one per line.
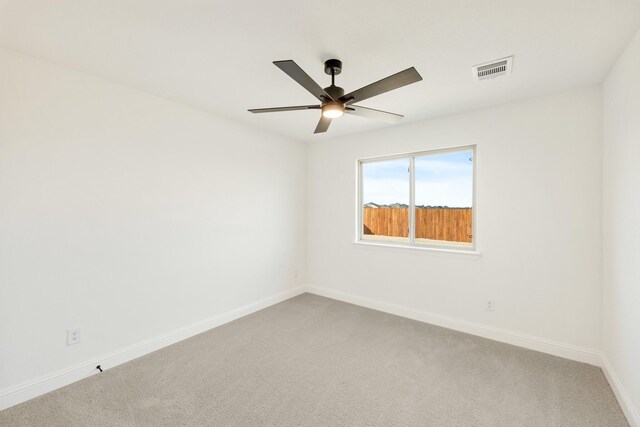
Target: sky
(444,179)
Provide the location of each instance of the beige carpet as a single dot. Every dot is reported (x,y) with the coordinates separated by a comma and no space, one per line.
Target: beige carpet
(313,361)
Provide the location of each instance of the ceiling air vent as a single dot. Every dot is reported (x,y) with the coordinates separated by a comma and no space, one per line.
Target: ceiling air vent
(493,69)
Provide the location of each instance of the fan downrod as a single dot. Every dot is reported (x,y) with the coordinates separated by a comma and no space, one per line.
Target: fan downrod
(333,67)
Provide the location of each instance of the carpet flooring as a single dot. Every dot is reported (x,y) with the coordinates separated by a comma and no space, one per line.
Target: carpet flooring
(314,361)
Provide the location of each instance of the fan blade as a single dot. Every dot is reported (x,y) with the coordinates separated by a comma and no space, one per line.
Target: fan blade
(278,109)
(370,113)
(323,125)
(403,78)
(298,74)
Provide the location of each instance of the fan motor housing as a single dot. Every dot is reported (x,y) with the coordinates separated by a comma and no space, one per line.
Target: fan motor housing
(334,92)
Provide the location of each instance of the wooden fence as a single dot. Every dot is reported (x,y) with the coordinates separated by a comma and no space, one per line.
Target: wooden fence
(449,224)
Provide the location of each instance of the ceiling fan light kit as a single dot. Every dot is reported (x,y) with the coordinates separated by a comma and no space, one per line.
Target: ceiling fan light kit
(333,110)
(333,101)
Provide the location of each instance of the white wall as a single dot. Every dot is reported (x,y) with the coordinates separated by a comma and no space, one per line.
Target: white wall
(129,216)
(621,325)
(539,183)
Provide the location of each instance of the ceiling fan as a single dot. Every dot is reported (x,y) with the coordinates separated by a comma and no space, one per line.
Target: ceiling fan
(334,103)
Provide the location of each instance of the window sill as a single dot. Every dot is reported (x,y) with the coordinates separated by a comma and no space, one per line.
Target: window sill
(470,253)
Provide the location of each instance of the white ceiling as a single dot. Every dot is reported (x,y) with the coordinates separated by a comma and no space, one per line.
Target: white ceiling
(217,55)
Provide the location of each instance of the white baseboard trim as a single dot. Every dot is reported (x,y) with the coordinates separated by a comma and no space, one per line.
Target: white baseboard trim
(567,351)
(629,409)
(28,390)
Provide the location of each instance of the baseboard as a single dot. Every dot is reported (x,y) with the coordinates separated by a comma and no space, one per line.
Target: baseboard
(39,386)
(567,351)
(629,409)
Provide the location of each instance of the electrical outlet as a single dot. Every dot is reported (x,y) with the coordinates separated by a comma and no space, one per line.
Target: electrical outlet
(73,336)
(490,305)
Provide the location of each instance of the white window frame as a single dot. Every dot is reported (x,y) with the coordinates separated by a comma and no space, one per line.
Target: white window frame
(444,245)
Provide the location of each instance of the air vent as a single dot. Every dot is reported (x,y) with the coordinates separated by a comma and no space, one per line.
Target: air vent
(493,69)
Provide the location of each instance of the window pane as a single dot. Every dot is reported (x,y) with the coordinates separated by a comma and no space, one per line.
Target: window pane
(385,191)
(444,197)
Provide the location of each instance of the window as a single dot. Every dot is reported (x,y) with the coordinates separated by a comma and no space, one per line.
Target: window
(418,199)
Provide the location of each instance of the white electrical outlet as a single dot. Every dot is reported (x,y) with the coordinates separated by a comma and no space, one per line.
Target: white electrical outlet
(73,336)
(491,305)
